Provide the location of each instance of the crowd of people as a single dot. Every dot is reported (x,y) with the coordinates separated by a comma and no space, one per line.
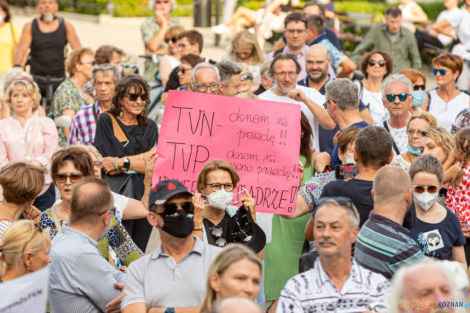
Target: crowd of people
(382,215)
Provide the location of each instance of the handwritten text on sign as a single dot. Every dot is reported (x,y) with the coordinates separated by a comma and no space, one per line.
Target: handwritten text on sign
(259,138)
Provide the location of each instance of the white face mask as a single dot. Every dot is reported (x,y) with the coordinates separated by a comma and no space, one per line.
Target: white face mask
(426,199)
(220,199)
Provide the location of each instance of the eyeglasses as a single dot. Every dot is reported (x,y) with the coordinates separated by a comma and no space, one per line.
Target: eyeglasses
(135,96)
(111,210)
(173,40)
(162,1)
(419,87)
(98,163)
(211,86)
(411,132)
(183,45)
(171,208)
(92,63)
(402,97)
(184,70)
(421,188)
(381,63)
(441,71)
(246,76)
(293,31)
(339,201)
(74,177)
(217,186)
(217,232)
(284,74)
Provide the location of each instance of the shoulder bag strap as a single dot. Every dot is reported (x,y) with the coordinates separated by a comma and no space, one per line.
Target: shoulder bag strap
(117,130)
(428,105)
(397,151)
(34,136)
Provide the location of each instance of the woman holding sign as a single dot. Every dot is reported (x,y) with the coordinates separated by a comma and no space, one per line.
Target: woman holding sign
(124,137)
(217,220)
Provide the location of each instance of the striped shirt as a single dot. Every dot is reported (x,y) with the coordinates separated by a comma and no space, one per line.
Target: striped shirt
(383,246)
(313,291)
(3,226)
(83,127)
(81,280)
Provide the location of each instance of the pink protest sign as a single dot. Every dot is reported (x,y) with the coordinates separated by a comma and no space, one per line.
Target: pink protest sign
(261,139)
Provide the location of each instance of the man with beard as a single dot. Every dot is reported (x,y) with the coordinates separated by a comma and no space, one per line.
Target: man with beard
(45,38)
(336,282)
(172,278)
(284,70)
(81,279)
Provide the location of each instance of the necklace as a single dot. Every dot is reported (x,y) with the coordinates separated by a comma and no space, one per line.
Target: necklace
(216,217)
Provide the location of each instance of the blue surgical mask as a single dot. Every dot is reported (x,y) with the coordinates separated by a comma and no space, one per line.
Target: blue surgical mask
(418,98)
(415,151)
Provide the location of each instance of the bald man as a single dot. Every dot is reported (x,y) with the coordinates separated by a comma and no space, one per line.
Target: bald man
(317,62)
(235,305)
(383,244)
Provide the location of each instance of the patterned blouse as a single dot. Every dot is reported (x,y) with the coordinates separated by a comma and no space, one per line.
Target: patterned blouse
(117,238)
(458,198)
(67,96)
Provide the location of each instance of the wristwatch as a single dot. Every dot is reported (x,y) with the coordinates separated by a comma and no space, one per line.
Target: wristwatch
(127,165)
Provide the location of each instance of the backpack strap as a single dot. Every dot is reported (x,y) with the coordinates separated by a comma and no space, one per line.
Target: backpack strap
(395,147)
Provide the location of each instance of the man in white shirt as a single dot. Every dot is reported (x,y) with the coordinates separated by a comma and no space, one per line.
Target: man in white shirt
(336,282)
(397,99)
(284,70)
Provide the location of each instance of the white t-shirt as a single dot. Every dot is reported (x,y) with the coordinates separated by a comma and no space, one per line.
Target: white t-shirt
(446,113)
(461,24)
(310,93)
(120,203)
(449,15)
(399,135)
(373,100)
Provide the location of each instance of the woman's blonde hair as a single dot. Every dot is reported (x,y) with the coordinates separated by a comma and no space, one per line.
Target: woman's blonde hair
(245,39)
(428,117)
(20,237)
(441,138)
(75,57)
(230,254)
(31,88)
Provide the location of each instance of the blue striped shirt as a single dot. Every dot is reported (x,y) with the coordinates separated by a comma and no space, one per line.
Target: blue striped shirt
(81,280)
(383,246)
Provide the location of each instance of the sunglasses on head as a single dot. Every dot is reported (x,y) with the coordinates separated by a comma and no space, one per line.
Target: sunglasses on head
(441,71)
(171,208)
(379,62)
(135,96)
(419,87)
(421,188)
(62,178)
(402,97)
(173,40)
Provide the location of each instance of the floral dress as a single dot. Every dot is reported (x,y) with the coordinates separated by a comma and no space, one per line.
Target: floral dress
(458,198)
(117,238)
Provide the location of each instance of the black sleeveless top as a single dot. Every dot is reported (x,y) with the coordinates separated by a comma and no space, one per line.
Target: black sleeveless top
(47,51)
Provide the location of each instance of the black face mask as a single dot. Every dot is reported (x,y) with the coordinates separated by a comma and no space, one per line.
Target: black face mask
(179,224)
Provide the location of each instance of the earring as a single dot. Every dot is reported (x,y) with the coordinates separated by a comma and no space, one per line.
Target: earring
(28,268)
(121,114)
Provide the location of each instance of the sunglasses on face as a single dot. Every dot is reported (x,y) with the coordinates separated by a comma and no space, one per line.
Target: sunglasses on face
(112,210)
(419,87)
(441,71)
(421,188)
(62,178)
(173,40)
(184,70)
(135,96)
(171,208)
(381,63)
(161,1)
(402,97)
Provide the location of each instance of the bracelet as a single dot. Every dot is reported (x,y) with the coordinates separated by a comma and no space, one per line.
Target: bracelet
(148,184)
(115,163)
(197,229)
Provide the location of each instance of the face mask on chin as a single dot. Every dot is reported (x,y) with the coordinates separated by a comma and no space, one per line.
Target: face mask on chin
(48,17)
(415,151)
